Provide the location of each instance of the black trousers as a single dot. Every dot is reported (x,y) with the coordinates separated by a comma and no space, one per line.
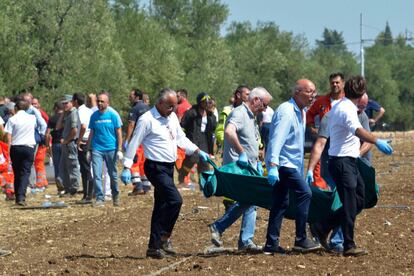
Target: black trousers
(22,158)
(85,170)
(351,190)
(167,200)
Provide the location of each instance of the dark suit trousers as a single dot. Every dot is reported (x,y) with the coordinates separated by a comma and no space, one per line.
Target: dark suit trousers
(167,200)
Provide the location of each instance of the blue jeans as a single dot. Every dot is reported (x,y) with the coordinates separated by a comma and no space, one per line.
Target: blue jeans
(57,152)
(110,159)
(290,179)
(248,222)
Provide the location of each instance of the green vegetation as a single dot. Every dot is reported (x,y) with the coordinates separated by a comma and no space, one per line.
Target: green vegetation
(64,46)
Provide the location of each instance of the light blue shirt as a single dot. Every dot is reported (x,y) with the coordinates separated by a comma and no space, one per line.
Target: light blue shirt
(40,122)
(287,137)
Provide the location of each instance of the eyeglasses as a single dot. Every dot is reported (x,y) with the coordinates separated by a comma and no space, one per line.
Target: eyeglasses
(100,101)
(310,92)
(263,103)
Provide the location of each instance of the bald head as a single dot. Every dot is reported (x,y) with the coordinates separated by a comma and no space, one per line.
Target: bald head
(304,93)
(362,103)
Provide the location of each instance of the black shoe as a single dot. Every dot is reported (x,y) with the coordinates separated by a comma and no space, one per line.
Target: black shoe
(156,253)
(167,247)
(115,201)
(21,203)
(251,248)
(355,252)
(320,235)
(215,235)
(84,201)
(306,246)
(269,250)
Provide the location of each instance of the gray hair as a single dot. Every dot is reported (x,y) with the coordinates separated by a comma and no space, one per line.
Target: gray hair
(259,92)
(162,96)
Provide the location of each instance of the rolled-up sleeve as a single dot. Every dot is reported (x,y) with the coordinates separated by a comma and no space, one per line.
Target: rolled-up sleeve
(138,135)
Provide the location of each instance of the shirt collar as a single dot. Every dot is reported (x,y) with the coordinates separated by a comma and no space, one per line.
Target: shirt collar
(295,106)
(156,114)
(248,110)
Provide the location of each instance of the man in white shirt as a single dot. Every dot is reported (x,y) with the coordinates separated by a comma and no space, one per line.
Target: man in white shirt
(20,135)
(160,133)
(84,115)
(345,133)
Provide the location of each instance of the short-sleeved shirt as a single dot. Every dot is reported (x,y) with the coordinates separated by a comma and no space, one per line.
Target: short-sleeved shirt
(104,126)
(247,133)
(85,114)
(70,120)
(137,110)
(22,129)
(371,107)
(363,119)
(55,133)
(342,124)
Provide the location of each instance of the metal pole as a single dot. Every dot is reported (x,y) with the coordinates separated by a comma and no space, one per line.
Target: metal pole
(362,58)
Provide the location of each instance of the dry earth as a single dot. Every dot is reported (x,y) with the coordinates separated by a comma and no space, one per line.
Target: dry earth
(82,240)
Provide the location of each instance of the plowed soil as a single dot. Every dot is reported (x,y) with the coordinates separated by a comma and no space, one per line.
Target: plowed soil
(82,240)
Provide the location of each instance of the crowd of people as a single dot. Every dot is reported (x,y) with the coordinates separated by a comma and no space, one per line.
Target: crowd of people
(84,138)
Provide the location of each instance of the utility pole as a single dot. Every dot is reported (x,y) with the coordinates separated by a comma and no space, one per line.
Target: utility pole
(362,58)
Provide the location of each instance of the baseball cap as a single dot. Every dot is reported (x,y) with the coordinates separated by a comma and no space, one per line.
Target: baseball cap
(66,98)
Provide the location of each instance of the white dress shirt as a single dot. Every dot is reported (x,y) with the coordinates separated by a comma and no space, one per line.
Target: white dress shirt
(342,123)
(22,126)
(159,136)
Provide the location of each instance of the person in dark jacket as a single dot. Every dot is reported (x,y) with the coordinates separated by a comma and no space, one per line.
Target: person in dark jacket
(199,125)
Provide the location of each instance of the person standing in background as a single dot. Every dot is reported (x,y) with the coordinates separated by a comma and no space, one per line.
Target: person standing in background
(20,131)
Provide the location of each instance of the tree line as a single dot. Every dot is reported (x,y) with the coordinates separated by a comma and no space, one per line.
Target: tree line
(65,46)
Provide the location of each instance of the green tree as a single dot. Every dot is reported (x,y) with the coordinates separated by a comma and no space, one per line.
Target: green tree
(72,48)
(16,68)
(204,57)
(333,40)
(148,50)
(331,55)
(385,38)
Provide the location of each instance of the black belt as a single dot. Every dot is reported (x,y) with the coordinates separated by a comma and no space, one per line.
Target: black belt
(341,157)
(161,163)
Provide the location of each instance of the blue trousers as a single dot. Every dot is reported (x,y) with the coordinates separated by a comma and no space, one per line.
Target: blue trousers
(290,179)
(167,200)
(248,222)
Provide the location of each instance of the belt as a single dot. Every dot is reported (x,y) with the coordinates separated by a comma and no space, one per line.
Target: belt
(161,163)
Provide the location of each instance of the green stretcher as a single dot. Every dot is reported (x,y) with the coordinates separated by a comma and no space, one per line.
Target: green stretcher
(247,186)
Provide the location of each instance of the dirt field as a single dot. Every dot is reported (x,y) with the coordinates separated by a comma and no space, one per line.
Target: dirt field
(112,241)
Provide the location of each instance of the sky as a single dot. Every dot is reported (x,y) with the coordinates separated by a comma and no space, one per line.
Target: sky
(310,17)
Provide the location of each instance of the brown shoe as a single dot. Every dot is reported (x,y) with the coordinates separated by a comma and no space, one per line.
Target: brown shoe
(355,252)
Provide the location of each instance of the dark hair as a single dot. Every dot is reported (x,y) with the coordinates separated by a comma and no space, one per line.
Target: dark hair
(355,87)
(336,74)
(137,93)
(103,92)
(58,105)
(21,104)
(183,91)
(240,88)
(79,97)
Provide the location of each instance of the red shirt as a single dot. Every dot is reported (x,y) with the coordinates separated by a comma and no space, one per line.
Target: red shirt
(44,115)
(182,108)
(320,107)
